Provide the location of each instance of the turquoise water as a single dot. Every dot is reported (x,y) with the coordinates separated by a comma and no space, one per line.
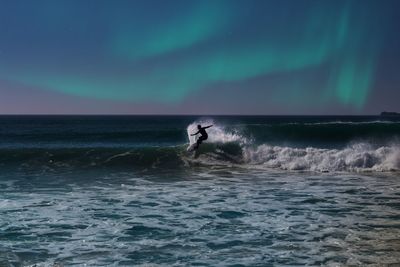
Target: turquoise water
(123,191)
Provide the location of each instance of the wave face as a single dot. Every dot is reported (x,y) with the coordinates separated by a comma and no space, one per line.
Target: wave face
(322,144)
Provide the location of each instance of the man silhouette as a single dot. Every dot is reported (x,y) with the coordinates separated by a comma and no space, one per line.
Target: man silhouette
(203,135)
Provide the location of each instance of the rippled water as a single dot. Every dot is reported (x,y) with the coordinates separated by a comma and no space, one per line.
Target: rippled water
(201,217)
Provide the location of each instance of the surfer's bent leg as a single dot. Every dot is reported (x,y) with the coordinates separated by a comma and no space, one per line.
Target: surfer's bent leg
(199,141)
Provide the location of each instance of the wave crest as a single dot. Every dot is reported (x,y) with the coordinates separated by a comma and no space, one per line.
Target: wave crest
(216,134)
(358,157)
(231,147)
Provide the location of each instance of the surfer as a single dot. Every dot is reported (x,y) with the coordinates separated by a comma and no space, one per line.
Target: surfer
(203,135)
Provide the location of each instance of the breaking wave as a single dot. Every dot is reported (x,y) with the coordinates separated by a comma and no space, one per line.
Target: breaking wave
(357,157)
(216,134)
(352,158)
(226,146)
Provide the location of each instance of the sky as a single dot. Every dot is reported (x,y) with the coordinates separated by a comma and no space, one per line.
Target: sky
(199,56)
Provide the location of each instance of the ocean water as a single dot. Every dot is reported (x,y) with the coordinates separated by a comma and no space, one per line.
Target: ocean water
(261,191)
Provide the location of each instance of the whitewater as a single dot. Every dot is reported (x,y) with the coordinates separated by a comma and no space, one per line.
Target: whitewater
(261,191)
(355,157)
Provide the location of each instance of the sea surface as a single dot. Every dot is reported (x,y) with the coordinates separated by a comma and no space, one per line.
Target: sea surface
(261,191)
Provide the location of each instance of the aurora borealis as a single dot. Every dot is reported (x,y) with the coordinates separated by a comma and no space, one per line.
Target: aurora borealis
(233,56)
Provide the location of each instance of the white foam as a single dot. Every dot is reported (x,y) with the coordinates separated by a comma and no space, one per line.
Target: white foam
(357,157)
(361,157)
(216,134)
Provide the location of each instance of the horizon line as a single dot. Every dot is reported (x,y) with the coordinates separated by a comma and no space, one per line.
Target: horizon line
(174,114)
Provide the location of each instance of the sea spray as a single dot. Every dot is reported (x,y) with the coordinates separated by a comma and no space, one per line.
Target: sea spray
(357,157)
(216,134)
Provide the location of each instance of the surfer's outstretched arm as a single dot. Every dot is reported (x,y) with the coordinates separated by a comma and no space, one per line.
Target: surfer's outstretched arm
(195,134)
(207,126)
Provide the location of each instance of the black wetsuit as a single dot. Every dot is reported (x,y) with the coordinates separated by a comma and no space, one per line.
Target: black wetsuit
(203,136)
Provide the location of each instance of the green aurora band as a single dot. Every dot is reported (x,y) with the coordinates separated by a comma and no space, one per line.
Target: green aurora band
(176,58)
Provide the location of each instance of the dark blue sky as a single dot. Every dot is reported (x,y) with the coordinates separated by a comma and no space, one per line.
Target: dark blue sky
(201,57)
